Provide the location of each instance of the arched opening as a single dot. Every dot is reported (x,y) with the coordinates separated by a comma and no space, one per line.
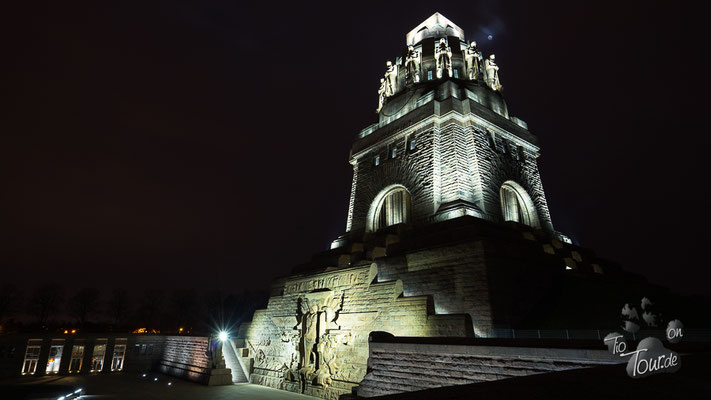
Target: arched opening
(517,206)
(391,206)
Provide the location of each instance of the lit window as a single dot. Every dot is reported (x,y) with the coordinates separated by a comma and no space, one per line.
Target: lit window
(491,140)
(456,73)
(393,152)
(55,357)
(377,160)
(429,75)
(29,367)
(119,353)
(412,144)
(143,349)
(77,358)
(393,208)
(97,357)
(516,205)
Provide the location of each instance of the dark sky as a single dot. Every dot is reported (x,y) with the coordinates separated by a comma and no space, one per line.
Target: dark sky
(205,143)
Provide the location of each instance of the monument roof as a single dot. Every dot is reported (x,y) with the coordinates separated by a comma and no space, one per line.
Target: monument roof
(435,26)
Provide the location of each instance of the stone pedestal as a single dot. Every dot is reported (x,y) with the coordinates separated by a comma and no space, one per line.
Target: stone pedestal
(220,376)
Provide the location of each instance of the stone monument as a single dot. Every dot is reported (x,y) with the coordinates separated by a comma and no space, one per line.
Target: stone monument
(448,231)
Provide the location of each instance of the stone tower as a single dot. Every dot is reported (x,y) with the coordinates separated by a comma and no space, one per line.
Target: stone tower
(444,145)
(448,234)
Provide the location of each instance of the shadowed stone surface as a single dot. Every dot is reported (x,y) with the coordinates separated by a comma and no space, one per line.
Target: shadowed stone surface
(126,386)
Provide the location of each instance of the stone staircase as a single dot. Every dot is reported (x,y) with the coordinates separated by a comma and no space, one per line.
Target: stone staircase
(233,363)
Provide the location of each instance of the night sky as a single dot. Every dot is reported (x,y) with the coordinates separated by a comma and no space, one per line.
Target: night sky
(205,144)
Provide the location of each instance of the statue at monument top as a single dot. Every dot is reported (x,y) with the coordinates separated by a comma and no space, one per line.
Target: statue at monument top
(412,65)
(492,73)
(390,79)
(381,95)
(472,58)
(443,57)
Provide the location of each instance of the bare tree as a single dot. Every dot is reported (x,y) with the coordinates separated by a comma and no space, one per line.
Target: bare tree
(119,306)
(45,301)
(183,304)
(151,308)
(10,300)
(84,304)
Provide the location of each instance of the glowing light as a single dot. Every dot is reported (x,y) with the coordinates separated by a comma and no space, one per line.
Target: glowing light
(222,336)
(78,390)
(155,379)
(143,376)
(74,331)
(66,331)
(490,37)
(170,383)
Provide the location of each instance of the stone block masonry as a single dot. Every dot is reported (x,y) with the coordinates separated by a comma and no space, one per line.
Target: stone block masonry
(185,357)
(401,365)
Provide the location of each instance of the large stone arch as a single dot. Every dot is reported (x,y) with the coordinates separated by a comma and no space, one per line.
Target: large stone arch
(517,206)
(392,205)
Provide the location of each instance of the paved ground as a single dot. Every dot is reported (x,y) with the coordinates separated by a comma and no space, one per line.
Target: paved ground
(131,386)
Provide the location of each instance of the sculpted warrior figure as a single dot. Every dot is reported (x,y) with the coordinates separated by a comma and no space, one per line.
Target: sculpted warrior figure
(412,65)
(390,79)
(443,56)
(492,73)
(309,333)
(473,59)
(381,95)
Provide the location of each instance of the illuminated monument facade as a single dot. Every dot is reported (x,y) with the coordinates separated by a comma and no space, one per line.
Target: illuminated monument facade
(448,230)
(445,145)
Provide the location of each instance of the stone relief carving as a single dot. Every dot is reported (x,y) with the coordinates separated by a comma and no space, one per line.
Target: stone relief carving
(412,65)
(312,345)
(473,58)
(315,358)
(492,73)
(331,280)
(443,57)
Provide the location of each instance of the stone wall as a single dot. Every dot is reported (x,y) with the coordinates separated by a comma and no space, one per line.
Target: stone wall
(411,169)
(185,357)
(454,275)
(405,367)
(313,336)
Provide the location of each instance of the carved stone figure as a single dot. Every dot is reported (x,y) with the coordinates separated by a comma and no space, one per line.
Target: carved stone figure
(443,56)
(473,59)
(412,65)
(390,79)
(492,73)
(381,95)
(309,332)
